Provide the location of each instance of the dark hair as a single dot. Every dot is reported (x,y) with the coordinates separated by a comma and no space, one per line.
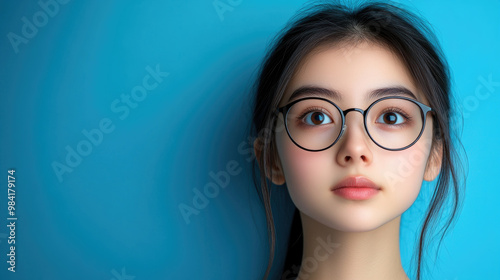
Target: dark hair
(406,35)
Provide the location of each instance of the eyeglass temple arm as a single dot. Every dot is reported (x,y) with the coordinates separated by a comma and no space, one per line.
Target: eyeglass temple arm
(277,112)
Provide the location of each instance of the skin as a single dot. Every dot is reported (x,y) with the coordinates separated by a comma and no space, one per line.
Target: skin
(363,235)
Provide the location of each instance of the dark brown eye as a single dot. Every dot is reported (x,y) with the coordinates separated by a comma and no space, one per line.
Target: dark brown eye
(317,118)
(390,118)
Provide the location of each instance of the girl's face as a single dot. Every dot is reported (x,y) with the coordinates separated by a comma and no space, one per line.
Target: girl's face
(353,72)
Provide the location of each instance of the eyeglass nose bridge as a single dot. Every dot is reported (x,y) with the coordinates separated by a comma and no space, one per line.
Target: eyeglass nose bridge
(344,116)
(353,109)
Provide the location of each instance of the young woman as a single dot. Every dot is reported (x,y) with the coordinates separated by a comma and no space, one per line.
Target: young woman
(352,113)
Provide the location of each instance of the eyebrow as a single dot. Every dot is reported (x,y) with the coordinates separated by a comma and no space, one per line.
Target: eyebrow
(316,91)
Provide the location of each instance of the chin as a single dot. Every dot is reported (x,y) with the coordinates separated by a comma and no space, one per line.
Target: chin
(355,223)
(361,226)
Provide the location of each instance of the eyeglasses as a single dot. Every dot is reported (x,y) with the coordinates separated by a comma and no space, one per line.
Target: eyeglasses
(393,123)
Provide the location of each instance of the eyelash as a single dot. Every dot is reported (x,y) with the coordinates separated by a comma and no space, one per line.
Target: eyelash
(399,111)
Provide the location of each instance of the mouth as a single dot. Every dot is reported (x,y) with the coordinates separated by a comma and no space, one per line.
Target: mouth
(356,188)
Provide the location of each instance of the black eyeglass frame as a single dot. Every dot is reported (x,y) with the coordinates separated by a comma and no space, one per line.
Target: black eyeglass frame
(424,109)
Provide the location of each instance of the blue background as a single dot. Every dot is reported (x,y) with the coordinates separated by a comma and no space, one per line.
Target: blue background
(116,215)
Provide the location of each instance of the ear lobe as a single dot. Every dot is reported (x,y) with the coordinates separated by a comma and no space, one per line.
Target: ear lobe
(434,162)
(277,171)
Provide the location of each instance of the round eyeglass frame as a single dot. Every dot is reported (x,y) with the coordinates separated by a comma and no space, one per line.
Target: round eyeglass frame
(424,109)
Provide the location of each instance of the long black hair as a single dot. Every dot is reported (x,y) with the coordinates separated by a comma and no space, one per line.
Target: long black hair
(409,37)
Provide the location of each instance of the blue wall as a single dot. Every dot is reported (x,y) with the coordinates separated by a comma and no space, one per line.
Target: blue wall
(114,115)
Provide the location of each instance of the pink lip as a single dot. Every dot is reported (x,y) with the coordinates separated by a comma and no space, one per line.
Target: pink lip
(356,188)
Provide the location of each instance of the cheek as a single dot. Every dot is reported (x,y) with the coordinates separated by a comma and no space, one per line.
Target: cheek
(305,172)
(403,172)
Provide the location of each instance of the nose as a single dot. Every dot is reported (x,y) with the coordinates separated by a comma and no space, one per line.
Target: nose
(354,146)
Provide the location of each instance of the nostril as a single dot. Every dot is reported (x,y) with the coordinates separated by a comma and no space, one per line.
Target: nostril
(347,158)
(363,158)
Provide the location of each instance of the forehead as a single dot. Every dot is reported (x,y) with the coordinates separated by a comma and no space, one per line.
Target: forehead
(353,71)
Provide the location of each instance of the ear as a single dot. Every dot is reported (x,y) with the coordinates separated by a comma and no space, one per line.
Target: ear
(434,162)
(277,171)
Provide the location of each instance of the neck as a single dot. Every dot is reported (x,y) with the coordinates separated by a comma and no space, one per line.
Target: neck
(332,254)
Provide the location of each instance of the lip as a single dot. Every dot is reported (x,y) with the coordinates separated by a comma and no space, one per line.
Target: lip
(356,188)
